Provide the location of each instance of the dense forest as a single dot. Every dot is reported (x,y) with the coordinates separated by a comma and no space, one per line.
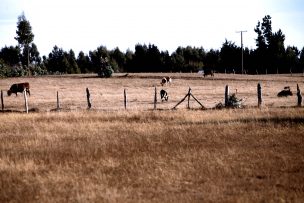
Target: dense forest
(270,56)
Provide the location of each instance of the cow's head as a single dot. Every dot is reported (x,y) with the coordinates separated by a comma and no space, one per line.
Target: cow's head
(9,92)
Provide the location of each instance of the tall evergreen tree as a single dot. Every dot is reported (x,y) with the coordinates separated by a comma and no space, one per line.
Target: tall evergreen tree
(24,35)
(270,46)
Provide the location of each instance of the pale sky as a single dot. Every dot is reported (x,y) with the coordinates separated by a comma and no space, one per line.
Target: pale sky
(83,25)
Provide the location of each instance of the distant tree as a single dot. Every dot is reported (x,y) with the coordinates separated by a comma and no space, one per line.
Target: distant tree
(96,55)
(129,61)
(178,60)
(193,58)
(212,59)
(118,60)
(146,59)
(270,46)
(84,63)
(34,54)
(166,61)
(58,62)
(188,59)
(24,35)
(301,61)
(153,60)
(276,51)
(10,55)
(139,58)
(33,57)
(264,32)
(73,66)
(230,56)
(292,59)
(105,70)
(267,29)
(250,63)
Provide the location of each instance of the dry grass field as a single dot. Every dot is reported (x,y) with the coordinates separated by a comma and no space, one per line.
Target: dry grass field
(107,93)
(108,154)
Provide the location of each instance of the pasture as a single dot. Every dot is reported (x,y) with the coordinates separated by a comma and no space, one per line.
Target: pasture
(108,154)
(107,93)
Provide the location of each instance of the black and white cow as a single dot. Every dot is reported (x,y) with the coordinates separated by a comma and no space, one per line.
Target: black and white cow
(166,80)
(164,95)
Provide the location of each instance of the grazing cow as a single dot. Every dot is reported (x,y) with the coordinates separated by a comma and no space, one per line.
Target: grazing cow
(166,80)
(164,95)
(208,72)
(19,87)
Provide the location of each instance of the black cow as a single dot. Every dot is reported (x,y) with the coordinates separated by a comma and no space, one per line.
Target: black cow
(19,87)
(208,72)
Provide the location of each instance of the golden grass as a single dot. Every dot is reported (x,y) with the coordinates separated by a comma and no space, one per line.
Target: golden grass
(108,154)
(243,155)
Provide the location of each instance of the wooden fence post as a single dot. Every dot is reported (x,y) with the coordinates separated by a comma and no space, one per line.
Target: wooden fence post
(226,95)
(58,103)
(125,98)
(2,103)
(155,98)
(25,101)
(88,98)
(259,95)
(189,93)
(299,96)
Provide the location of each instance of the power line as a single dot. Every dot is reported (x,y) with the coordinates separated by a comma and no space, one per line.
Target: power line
(242,48)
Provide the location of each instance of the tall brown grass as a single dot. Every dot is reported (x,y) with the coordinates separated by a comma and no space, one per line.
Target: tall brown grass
(243,155)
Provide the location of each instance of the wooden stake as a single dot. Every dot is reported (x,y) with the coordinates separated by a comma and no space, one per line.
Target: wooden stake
(25,101)
(189,92)
(88,98)
(58,103)
(2,103)
(226,95)
(125,98)
(299,96)
(155,98)
(259,88)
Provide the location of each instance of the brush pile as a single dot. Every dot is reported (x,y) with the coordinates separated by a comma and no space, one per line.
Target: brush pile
(234,102)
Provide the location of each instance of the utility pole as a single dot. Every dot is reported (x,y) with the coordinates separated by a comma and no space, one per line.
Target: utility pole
(242,48)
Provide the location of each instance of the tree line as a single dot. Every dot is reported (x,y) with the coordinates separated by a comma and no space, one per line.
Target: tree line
(270,56)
